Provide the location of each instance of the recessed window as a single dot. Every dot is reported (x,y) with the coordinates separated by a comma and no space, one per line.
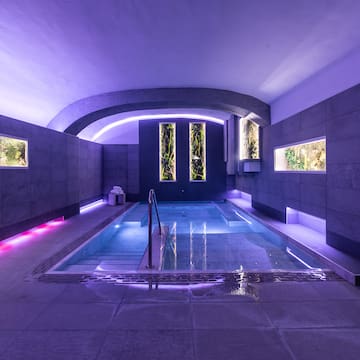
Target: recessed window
(197,151)
(249,140)
(167,151)
(302,157)
(13,152)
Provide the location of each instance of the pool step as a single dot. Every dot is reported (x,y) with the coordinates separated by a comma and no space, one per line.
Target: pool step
(81,268)
(232,217)
(137,216)
(103,266)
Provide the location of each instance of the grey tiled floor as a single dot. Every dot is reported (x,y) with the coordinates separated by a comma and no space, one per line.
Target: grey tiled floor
(99,320)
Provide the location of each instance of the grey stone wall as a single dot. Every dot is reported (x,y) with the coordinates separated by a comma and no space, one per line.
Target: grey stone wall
(334,196)
(55,182)
(343,174)
(90,170)
(121,167)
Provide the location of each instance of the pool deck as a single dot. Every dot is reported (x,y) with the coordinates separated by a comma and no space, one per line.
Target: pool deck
(101,320)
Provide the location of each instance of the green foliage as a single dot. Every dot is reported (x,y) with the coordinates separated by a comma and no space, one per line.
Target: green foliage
(249,140)
(252,140)
(308,156)
(12,152)
(197,152)
(294,159)
(167,152)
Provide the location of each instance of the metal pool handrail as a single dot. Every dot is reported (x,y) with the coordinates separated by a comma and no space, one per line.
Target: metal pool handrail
(152,200)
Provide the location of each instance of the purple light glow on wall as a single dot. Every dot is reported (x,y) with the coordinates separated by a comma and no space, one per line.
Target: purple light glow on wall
(29,235)
(294,216)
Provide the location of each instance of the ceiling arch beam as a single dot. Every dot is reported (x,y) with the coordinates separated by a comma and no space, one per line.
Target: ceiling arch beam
(78,115)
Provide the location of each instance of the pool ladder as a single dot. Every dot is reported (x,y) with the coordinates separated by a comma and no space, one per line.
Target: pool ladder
(152,201)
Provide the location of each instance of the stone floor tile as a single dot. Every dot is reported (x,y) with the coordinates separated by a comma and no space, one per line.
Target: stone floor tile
(286,291)
(336,290)
(148,344)
(329,344)
(228,316)
(75,317)
(54,345)
(91,292)
(313,314)
(33,292)
(6,339)
(261,344)
(18,316)
(153,316)
(164,293)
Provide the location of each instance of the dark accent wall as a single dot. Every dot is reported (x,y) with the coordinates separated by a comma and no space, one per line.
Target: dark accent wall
(63,171)
(121,167)
(215,186)
(90,171)
(334,196)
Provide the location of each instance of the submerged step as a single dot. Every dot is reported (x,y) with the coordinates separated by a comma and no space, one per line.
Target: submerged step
(232,216)
(106,266)
(136,216)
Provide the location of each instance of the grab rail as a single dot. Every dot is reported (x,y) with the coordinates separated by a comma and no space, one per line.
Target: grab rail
(152,200)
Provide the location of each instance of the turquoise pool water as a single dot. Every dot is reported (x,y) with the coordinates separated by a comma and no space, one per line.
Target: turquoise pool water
(202,237)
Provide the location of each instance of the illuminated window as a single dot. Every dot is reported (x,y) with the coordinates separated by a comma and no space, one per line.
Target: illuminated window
(307,156)
(197,142)
(13,152)
(249,140)
(167,151)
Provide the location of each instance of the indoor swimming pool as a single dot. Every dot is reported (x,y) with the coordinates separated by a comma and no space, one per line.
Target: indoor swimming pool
(202,237)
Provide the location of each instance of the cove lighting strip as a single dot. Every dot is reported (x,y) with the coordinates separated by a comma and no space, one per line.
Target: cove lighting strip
(90,206)
(156,117)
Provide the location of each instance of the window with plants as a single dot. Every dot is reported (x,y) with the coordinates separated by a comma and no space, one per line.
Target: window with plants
(307,156)
(249,140)
(13,152)
(167,153)
(197,141)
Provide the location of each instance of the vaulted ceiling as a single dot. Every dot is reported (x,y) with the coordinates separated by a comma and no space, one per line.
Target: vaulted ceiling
(56,52)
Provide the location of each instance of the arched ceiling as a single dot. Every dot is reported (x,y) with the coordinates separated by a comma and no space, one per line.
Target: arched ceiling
(56,52)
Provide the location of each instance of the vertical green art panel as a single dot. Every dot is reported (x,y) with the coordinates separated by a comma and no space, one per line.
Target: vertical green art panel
(167,153)
(197,141)
(249,140)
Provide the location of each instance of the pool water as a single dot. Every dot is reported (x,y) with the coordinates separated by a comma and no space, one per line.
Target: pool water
(205,236)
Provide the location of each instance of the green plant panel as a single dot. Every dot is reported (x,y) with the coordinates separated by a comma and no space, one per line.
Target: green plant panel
(249,140)
(197,141)
(167,151)
(13,152)
(309,156)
